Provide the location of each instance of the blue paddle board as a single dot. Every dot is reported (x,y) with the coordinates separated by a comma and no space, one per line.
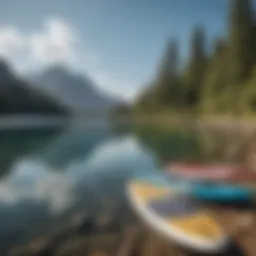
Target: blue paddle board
(201,190)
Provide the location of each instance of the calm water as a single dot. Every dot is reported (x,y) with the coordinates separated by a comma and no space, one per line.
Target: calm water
(47,173)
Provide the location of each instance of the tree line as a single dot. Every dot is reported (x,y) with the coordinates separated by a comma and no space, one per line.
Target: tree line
(220,82)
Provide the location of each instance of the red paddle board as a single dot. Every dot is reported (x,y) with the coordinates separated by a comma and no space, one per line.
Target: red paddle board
(212,172)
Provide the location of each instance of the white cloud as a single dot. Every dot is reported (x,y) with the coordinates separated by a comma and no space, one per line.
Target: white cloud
(11,41)
(55,43)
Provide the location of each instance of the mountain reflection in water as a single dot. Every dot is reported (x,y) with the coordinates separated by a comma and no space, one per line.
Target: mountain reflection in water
(76,170)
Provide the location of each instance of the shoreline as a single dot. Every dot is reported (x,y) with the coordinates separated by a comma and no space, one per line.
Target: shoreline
(221,123)
(14,122)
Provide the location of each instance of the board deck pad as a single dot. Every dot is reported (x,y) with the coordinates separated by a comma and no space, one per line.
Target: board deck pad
(170,206)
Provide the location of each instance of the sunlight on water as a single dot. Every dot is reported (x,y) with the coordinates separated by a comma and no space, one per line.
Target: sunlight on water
(116,154)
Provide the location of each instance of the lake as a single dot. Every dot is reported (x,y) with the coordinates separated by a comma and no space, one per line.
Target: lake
(49,173)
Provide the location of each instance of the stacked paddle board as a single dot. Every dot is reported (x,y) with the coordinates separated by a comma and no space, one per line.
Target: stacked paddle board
(214,192)
(173,214)
(215,182)
(228,173)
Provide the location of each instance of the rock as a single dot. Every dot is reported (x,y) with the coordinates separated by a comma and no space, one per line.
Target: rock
(97,253)
(78,219)
(87,226)
(244,223)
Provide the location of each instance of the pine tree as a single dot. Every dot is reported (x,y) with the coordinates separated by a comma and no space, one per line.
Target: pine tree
(219,84)
(147,100)
(241,58)
(196,69)
(166,81)
(214,91)
(248,95)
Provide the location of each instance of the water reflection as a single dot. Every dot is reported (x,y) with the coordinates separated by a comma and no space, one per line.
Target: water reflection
(18,220)
(72,146)
(78,170)
(171,144)
(15,144)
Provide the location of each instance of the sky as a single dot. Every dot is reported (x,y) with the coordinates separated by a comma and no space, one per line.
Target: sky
(117,43)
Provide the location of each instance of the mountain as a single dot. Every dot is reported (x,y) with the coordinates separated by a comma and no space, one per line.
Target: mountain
(17,96)
(75,91)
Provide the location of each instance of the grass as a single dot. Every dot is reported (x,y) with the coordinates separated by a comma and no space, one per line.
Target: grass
(170,118)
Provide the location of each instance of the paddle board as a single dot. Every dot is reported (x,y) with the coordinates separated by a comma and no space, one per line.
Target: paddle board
(223,193)
(173,215)
(212,192)
(228,173)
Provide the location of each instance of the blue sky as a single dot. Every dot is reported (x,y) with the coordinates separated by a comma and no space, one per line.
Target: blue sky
(117,42)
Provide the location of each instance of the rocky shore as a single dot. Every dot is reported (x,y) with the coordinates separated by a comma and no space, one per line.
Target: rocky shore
(110,237)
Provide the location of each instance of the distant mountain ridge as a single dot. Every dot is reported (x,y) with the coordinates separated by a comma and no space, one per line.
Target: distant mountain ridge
(73,90)
(18,97)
